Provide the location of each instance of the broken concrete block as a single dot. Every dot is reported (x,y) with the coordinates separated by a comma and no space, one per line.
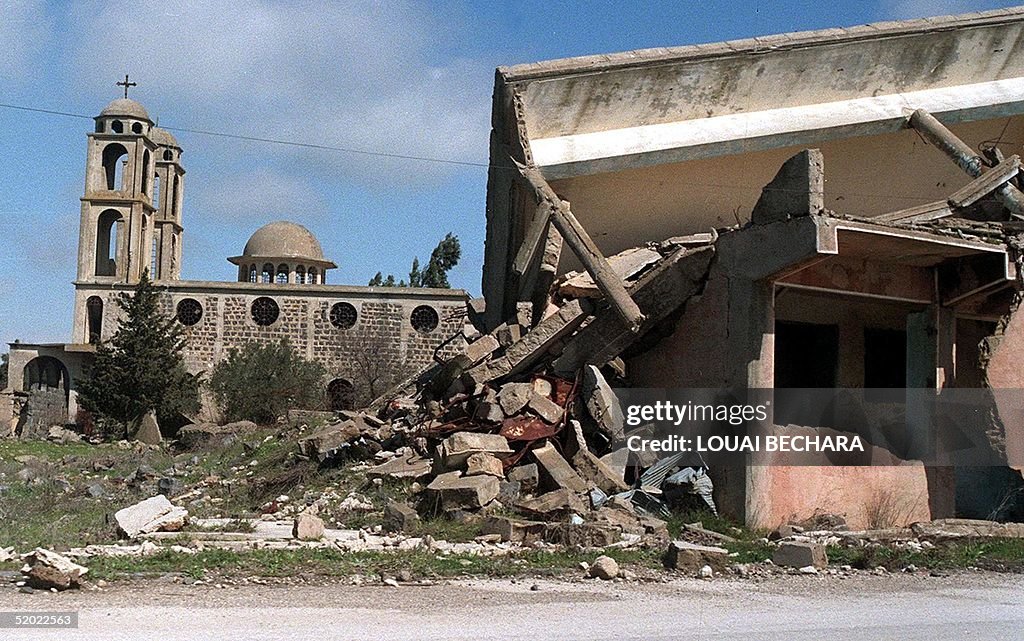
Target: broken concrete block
(604,568)
(399,517)
(483,463)
(457,447)
(208,434)
(508,333)
(586,535)
(597,473)
(489,412)
(528,476)
(464,492)
(800,555)
(321,444)
(308,527)
(46,570)
(557,469)
(513,397)
(409,466)
(545,408)
(553,503)
(508,491)
(146,429)
(798,189)
(942,529)
(542,387)
(155,514)
(481,348)
(514,530)
(536,343)
(602,404)
(627,265)
(682,555)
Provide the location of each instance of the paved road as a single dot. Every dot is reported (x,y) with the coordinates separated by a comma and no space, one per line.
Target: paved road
(966,606)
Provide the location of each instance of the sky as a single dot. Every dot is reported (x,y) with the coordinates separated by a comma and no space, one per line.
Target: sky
(397,77)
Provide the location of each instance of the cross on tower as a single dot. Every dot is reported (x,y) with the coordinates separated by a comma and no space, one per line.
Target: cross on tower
(126,84)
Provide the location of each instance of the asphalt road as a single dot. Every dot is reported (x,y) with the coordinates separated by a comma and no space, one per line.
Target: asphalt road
(867,608)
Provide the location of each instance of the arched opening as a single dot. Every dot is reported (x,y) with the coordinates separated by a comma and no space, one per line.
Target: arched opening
(107,237)
(45,373)
(136,127)
(113,165)
(300,274)
(253,274)
(341,395)
(117,127)
(94,318)
(99,126)
(154,256)
(267,275)
(311,276)
(282,275)
(174,198)
(156,193)
(168,154)
(145,172)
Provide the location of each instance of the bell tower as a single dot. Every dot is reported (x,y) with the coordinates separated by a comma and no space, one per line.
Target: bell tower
(168,196)
(117,219)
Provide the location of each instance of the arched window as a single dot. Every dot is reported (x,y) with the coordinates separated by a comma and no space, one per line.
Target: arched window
(145,172)
(253,274)
(99,126)
(174,198)
(117,127)
(282,274)
(311,276)
(94,318)
(343,315)
(300,274)
(113,166)
(268,273)
(341,395)
(156,193)
(136,127)
(168,154)
(189,312)
(107,236)
(154,254)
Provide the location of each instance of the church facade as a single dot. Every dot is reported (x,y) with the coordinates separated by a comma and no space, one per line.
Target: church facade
(131,224)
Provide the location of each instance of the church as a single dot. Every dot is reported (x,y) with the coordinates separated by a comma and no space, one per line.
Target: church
(132,223)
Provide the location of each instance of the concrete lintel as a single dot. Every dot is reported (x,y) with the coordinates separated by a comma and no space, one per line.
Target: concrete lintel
(618,149)
(762,251)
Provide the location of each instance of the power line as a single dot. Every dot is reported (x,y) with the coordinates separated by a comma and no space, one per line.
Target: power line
(274,141)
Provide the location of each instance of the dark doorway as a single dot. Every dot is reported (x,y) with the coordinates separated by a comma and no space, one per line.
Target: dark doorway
(806,355)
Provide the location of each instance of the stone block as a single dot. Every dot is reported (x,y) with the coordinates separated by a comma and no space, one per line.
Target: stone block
(592,469)
(603,404)
(604,568)
(146,429)
(155,514)
(399,517)
(514,530)
(527,475)
(308,527)
(464,492)
(586,535)
(457,447)
(481,348)
(513,397)
(545,408)
(410,466)
(509,491)
(483,463)
(557,469)
(553,503)
(489,412)
(682,555)
(800,555)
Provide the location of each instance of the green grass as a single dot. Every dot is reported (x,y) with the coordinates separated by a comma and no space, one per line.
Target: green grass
(333,563)
(991,554)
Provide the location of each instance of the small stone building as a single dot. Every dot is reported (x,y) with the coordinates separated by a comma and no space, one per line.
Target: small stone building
(131,223)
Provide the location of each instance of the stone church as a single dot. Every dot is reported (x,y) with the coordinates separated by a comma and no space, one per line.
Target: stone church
(132,222)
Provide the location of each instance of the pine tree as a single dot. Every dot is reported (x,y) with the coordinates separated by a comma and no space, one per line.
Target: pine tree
(415,277)
(141,367)
(377,280)
(444,257)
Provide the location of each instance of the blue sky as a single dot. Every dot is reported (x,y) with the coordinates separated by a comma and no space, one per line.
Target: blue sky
(397,77)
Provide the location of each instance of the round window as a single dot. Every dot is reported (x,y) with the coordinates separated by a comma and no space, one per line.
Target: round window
(424,319)
(189,312)
(265,311)
(343,315)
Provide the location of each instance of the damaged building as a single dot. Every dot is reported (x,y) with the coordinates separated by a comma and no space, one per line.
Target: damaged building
(830,209)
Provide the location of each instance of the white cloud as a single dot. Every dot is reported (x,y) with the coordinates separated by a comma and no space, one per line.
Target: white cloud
(361,74)
(257,196)
(24,31)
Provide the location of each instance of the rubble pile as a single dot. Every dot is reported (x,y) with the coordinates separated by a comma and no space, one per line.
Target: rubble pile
(525,419)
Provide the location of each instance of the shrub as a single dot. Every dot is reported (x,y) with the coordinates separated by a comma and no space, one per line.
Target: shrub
(260,383)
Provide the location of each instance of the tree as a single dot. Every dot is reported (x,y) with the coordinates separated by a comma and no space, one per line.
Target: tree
(377,364)
(260,383)
(444,257)
(141,367)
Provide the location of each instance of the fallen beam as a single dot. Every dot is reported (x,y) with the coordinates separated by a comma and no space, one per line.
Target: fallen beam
(964,157)
(659,293)
(986,183)
(584,247)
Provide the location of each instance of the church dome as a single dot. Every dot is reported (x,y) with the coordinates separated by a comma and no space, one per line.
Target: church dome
(125,107)
(163,137)
(284,239)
